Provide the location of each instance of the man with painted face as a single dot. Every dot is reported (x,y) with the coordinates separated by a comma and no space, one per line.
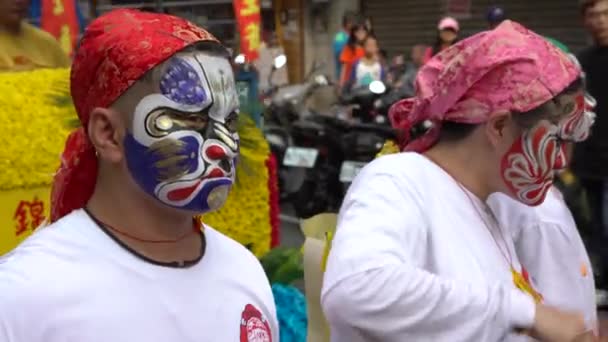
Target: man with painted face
(417,254)
(124,258)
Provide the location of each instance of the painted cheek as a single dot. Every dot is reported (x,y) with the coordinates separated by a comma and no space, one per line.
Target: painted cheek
(527,167)
(166,160)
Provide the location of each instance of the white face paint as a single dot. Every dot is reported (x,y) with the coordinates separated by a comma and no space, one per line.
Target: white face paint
(184,142)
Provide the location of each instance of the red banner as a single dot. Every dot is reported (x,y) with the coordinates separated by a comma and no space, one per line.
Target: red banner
(249,22)
(59,19)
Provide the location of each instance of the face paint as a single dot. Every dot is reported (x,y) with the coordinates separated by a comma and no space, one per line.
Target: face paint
(183,145)
(528,167)
(576,126)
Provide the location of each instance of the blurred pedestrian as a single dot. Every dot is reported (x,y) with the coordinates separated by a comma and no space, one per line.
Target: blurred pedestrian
(547,238)
(368,68)
(23,46)
(341,39)
(591,157)
(352,51)
(369,25)
(495,16)
(447,35)
(403,76)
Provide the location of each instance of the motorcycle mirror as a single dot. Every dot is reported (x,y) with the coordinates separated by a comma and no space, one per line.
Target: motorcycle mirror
(239,59)
(321,80)
(280,61)
(377,87)
(380,119)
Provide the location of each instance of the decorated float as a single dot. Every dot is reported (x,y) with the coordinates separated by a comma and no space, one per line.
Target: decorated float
(37,115)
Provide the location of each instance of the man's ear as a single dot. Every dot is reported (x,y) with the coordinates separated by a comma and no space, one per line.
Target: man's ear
(498,126)
(106,130)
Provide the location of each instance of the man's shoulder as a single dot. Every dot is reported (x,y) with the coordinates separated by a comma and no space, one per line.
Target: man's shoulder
(232,252)
(584,54)
(40,257)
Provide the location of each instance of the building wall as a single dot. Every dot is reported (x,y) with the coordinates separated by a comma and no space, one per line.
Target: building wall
(321,22)
(401,24)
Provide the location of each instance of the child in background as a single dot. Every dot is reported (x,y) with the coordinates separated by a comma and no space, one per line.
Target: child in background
(353,51)
(368,68)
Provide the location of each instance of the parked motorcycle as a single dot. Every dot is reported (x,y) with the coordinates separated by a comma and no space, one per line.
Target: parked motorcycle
(283,106)
(327,153)
(363,101)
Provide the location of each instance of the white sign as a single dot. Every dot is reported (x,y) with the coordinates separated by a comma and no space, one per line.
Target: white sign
(300,157)
(350,170)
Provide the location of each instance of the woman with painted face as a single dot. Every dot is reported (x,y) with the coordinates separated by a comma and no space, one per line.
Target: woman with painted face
(418,255)
(447,35)
(125,259)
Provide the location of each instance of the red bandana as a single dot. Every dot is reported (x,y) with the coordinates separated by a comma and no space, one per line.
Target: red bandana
(117,49)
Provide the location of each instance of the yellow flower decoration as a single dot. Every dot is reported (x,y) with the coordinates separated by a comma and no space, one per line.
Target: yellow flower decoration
(33,120)
(389,147)
(37,116)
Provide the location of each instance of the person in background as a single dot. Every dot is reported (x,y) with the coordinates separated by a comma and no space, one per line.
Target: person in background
(547,239)
(495,16)
(368,68)
(591,157)
(126,256)
(403,78)
(416,255)
(352,51)
(341,39)
(24,46)
(447,35)
(369,25)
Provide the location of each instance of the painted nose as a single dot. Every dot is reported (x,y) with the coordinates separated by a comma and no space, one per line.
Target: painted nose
(215,152)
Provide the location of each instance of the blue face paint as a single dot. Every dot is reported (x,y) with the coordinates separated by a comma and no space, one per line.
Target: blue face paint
(181,84)
(177,152)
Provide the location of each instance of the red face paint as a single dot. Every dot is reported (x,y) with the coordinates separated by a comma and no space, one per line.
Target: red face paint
(529,165)
(577,124)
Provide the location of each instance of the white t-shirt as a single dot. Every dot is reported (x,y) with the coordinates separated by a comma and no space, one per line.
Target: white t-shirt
(367,73)
(412,260)
(549,246)
(70,282)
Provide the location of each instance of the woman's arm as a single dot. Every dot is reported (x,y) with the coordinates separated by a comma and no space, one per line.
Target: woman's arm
(376,283)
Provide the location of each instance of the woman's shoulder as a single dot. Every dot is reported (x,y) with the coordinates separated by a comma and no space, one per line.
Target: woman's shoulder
(405,167)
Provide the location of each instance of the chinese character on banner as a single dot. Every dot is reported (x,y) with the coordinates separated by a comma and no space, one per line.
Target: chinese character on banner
(248,18)
(60,20)
(28,215)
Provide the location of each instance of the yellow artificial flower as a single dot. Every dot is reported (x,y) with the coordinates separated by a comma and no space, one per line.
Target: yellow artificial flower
(389,147)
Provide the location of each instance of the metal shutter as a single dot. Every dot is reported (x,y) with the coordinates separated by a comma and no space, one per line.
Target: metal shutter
(400,24)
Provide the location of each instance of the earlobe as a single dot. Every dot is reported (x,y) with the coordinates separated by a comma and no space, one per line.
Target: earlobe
(103,131)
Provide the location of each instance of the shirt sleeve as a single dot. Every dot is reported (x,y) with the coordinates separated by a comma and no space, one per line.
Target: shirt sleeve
(376,283)
(16,299)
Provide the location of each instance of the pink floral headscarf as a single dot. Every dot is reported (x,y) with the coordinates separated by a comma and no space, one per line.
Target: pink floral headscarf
(507,69)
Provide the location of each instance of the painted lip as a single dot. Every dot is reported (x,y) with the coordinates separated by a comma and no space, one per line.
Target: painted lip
(181,193)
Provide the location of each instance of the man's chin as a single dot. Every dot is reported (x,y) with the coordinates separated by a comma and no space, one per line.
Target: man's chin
(218,196)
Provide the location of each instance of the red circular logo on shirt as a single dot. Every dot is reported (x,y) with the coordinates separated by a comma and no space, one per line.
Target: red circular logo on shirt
(254,327)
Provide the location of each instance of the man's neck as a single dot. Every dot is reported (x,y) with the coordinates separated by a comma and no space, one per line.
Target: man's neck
(460,162)
(137,213)
(141,217)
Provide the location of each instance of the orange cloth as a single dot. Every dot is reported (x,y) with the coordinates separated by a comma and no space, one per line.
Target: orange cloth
(348,57)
